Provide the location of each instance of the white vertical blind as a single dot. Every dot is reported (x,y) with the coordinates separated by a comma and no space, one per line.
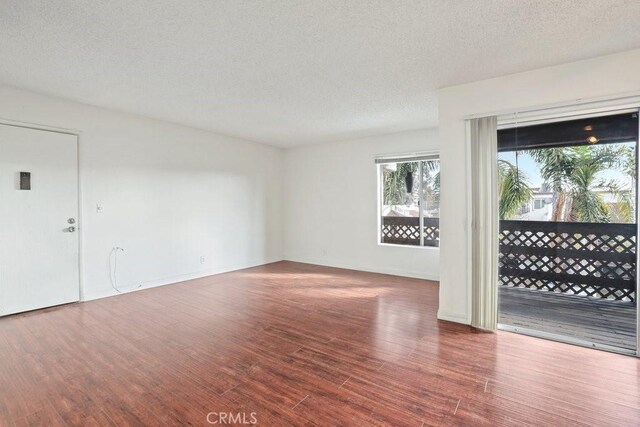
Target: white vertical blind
(484,195)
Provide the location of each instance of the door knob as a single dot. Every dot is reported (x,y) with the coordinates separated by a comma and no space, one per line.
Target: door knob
(71,220)
(71,229)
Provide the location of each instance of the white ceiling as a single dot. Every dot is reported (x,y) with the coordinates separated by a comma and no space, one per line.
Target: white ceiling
(290,72)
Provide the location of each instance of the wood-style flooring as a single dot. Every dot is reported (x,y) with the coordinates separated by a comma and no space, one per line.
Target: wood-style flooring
(297,344)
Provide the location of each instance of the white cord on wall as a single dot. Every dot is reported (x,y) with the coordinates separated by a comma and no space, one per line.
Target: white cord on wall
(113,271)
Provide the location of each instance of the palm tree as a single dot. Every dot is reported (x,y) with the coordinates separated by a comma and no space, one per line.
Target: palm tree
(513,189)
(395,183)
(573,172)
(555,164)
(628,161)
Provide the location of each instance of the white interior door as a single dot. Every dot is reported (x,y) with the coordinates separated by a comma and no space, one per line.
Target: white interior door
(38,226)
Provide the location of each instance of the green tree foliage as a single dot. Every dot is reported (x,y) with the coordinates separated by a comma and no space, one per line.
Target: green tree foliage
(513,189)
(431,184)
(395,184)
(394,188)
(573,174)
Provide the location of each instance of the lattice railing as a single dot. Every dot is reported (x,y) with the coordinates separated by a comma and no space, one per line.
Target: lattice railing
(406,230)
(594,260)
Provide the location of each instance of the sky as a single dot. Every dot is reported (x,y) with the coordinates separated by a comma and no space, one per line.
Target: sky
(531,169)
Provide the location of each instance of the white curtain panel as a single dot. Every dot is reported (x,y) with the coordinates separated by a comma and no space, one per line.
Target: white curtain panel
(484,194)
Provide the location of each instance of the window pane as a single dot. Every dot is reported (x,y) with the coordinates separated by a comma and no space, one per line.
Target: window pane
(400,195)
(430,201)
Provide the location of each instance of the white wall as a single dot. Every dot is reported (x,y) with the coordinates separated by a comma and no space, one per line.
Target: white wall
(600,77)
(170,194)
(331,214)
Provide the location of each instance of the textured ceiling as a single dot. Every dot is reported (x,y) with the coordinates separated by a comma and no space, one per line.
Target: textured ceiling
(294,72)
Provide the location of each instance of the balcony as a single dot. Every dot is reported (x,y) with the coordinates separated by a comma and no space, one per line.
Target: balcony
(570,279)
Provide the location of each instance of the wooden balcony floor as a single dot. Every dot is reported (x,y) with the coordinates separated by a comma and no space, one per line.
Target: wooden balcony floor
(598,321)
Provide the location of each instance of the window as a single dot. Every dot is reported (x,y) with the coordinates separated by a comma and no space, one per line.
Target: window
(409,200)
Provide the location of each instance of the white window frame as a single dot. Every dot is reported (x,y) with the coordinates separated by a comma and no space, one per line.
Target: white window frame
(403,158)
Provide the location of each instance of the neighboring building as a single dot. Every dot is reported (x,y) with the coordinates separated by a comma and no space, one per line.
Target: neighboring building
(540,207)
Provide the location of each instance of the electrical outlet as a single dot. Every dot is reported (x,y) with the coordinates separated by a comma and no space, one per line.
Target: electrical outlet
(202,259)
(323,252)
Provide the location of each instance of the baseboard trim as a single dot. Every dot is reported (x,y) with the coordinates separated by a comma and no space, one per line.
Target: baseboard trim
(453,317)
(349,266)
(171,280)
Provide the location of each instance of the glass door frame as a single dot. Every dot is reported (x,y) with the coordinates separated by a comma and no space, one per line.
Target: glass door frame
(564,113)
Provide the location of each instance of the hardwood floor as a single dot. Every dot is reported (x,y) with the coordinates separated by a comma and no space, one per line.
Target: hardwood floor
(297,344)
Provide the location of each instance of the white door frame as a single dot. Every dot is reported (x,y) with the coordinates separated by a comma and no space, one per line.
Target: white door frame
(77,134)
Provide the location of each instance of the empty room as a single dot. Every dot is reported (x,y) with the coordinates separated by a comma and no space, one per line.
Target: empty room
(319,213)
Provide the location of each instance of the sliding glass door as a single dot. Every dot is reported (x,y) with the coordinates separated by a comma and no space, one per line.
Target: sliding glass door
(568,230)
